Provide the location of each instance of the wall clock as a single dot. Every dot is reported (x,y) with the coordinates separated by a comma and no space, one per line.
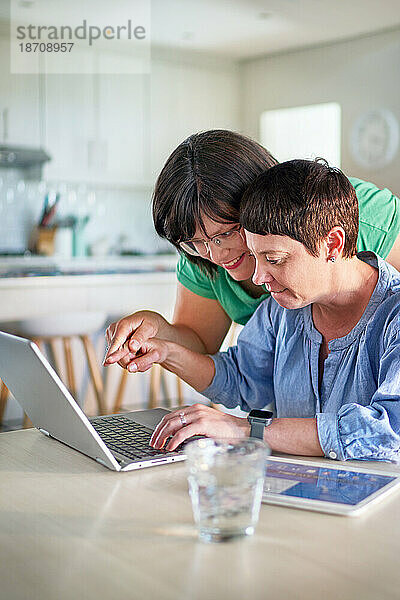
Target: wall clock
(374,139)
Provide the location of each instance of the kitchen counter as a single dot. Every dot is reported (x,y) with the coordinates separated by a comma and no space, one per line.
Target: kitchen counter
(36,266)
(37,286)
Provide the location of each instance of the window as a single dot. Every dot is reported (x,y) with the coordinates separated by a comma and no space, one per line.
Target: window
(303,132)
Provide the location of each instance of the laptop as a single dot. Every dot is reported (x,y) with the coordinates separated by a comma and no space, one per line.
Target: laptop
(119,442)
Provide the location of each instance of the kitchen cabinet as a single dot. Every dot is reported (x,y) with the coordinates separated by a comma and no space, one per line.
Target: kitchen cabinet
(96,125)
(116,129)
(69,124)
(20,115)
(123,125)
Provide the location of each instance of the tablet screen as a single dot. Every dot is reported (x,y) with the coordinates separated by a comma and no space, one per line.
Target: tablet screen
(324,484)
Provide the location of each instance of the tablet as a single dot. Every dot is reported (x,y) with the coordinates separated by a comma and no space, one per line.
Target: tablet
(313,486)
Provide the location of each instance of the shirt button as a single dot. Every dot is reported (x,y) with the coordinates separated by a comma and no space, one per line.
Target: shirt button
(332,454)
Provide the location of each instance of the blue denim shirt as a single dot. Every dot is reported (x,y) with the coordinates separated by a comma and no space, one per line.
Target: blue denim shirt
(358,405)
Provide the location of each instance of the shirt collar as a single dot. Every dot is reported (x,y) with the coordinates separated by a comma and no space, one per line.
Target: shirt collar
(377,297)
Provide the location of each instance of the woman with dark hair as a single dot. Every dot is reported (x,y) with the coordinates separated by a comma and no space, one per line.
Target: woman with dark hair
(323,349)
(196,207)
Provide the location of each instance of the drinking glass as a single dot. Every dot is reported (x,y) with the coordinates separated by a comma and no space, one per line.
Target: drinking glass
(226,484)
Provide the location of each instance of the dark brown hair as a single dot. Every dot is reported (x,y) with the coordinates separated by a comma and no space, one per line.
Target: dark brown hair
(303,200)
(207,174)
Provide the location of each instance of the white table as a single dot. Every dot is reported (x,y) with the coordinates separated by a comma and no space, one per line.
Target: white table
(71,529)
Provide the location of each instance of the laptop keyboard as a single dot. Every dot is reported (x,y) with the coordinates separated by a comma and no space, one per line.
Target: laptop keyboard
(126,437)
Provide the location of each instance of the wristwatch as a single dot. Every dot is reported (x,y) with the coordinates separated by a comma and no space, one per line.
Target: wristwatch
(259,419)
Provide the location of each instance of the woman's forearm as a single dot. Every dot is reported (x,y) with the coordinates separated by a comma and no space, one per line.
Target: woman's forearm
(291,436)
(294,436)
(196,369)
(182,335)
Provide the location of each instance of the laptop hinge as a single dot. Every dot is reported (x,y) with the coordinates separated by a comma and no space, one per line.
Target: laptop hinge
(44,431)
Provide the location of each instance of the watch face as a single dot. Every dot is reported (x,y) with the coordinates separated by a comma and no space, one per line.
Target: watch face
(261,414)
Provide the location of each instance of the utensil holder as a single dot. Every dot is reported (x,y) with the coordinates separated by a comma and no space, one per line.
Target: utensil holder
(42,240)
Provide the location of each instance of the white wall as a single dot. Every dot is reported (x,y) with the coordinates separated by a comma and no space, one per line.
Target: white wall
(360,74)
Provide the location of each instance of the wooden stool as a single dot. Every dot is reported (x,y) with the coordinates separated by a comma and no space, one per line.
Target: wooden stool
(47,330)
(3,399)
(92,361)
(157,380)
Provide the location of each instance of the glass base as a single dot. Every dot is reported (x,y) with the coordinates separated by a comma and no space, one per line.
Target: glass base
(216,535)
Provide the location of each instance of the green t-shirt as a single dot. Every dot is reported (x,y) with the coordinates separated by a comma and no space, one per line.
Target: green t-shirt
(379,227)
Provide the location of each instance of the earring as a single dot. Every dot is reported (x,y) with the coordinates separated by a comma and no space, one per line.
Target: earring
(332,259)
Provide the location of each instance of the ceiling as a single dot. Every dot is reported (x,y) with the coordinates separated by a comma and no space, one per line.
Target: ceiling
(246,28)
(241,29)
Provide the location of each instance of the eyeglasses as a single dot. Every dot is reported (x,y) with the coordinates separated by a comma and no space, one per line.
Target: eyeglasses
(228,239)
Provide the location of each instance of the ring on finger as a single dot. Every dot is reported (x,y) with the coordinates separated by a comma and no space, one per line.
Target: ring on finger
(182,418)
